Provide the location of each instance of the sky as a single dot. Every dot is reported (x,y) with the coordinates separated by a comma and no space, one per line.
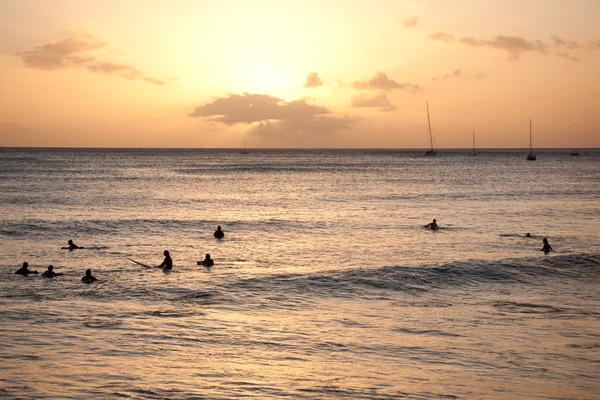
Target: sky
(299,74)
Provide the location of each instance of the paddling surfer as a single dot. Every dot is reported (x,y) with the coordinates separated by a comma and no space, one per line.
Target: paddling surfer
(24,270)
(208,262)
(168,262)
(49,273)
(432,225)
(72,246)
(219,234)
(88,278)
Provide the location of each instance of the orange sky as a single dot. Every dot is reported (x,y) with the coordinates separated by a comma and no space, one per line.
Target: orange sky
(307,74)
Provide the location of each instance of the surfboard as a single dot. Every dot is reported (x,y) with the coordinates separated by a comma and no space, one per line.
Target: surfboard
(139,263)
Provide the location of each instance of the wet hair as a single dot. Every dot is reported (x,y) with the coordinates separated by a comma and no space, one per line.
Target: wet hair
(544,240)
(166,253)
(434,220)
(219,227)
(26,264)
(50,267)
(88,271)
(207,255)
(70,241)
(528,234)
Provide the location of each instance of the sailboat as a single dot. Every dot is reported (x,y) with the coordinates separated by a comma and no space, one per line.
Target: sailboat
(473,153)
(431,151)
(530,156)
(574,153)
(245,151)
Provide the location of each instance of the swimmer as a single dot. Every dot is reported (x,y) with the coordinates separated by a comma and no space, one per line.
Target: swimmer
(168,262)
(49,273)
(219,233)
(208,262)
(528,234)
(88,278)
(432,225)
(547,248)
(24,270)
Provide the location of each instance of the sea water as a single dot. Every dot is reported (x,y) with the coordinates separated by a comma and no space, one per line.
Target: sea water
(325,286)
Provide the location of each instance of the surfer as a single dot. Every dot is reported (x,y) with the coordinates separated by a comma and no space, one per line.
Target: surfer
(528,234)
(24,270)
(219,233)
(168,262)
(88,278)
(72,246)
(208,262)
(432,225)
(49,273)
(547,248)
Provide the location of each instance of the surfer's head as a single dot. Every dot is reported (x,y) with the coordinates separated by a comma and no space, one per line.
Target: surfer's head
(434,220)
(70,241)
(88,272)
(25,264)
(545,240)
(166,253)
(528,234)
(208,256)
(50,267)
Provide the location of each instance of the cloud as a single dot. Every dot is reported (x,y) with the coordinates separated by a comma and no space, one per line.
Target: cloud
(442,37)
(313,81)
(274,118)
(567,56)
(514,45)
(411,22)
(381,82)
(457,73)
(572,45)
(73,52)
(379,100)
(249,108)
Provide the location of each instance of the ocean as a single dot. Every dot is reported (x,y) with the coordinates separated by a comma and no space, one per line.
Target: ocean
(325,286)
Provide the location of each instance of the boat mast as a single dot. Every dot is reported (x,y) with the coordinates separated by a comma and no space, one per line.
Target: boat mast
(473,140)
(530,152)
(429,122)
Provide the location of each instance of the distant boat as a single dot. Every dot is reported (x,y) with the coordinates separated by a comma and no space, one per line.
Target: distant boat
(530,156)
(473,153)
(245,151)
(574,153)
(431,151)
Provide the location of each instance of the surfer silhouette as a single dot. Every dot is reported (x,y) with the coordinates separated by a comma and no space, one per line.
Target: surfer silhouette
(208,262)
(72,246)
(24,270)
(547,248)
(49,273)
(528,234)
(432,225)
(219,233)
(168,262)
(88,278)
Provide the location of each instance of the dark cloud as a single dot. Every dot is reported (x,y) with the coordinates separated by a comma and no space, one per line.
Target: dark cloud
(313,81)
(514,45)
(457,73)
(411,22)
(274,118)
(73,52)
(442,37)
(249,108)
(382,82)
(379,100)
(567,56)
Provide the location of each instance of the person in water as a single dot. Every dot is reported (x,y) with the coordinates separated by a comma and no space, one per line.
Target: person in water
(49,273)
(547,248)
(88,278)
(528,234)
(432,225)
(208,262)
(24,270)
(168,262)
(219,233)
(72,246)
